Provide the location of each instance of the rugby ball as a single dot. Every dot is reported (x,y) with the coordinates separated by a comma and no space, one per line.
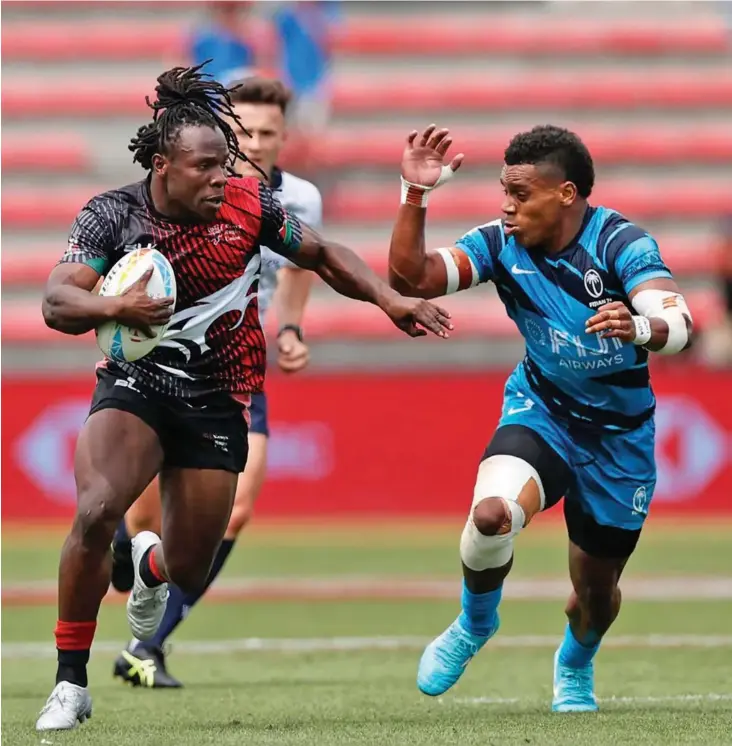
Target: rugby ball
(119,342)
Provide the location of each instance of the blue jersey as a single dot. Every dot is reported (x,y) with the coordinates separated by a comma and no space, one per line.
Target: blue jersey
(602,384)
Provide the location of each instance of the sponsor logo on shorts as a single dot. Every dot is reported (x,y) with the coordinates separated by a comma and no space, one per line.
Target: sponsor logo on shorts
(524,405)
(128,383)
(640,501)
(220,441)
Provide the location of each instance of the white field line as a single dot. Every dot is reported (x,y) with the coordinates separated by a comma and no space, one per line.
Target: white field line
(691,698)
(337,644)
(684,588)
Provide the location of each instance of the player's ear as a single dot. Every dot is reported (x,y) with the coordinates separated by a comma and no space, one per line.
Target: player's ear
(160,164)
(567,193)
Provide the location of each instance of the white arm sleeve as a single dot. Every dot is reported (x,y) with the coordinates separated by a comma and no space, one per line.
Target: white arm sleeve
(672,308)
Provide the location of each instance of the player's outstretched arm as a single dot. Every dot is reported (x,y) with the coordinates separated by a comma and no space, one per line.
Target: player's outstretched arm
(349,275)
(413,269)
(662,324)
(343,269)
(70,306)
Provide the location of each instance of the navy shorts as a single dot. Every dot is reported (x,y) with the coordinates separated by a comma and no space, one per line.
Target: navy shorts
(259,422)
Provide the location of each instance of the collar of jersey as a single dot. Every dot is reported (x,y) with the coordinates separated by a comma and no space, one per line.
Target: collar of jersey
(589,213)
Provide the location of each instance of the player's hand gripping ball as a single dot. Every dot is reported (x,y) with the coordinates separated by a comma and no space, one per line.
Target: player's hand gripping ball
(145,284)
(612,320)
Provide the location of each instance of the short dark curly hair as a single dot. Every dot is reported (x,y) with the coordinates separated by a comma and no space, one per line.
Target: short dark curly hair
(558,146)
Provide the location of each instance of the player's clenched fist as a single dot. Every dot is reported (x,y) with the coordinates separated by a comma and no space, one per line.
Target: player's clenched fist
(612,320)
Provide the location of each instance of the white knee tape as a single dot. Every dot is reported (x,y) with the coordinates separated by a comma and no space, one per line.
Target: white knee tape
(499,477)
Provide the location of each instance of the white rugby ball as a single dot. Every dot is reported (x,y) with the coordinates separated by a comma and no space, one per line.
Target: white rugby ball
(120,342)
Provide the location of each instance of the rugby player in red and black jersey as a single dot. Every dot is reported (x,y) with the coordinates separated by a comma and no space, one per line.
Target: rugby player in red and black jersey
(180,411)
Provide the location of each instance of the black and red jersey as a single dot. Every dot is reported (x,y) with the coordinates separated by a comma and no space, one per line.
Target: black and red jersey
(214,341)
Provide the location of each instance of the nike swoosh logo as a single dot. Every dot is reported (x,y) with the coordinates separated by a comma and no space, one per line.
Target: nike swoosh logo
(518,271)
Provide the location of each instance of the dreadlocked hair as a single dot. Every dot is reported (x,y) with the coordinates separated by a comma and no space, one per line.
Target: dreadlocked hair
(187,97)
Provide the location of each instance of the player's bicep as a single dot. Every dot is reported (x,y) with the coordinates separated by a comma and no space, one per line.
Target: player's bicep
(640,262)
(451,269)
(76,274)
(662,283)
(306,248)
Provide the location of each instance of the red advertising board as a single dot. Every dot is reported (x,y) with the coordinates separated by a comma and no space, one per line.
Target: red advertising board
(402,444)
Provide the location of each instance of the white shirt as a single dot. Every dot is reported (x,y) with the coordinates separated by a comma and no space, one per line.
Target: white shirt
(302,199)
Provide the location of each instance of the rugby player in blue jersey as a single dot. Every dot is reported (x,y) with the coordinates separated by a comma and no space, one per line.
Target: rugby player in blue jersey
(591,296)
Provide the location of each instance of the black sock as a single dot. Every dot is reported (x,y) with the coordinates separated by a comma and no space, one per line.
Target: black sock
(121,537)
(72,667)
(148,577)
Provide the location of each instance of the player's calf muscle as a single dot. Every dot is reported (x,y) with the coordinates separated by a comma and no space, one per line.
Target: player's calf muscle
(595,603)
(593,609)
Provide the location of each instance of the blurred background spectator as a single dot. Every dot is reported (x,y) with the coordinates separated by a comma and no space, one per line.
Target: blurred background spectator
(224,37)
(716,343)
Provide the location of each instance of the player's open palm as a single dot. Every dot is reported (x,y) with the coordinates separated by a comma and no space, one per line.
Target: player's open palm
(139,311)
(423,161)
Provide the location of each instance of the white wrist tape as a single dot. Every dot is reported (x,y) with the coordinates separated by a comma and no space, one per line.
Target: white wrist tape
(417,194)
(643,330)
(672,308)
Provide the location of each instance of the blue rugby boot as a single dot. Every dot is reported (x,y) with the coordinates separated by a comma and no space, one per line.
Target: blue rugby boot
(574,685)
(447,656)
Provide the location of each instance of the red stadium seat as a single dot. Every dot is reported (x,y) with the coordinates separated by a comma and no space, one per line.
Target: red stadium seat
(472,315)
(523,91)
(498,35)
(638,200)
(444,36)
(670,89)
(32,265)
(62,152)
(31,208)
(382,146)
(68,152)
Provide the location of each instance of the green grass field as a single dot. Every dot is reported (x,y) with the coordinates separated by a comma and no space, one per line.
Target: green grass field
(337,670)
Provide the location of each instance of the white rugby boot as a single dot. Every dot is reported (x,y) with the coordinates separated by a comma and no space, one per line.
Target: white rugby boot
(67,706)
(145,606)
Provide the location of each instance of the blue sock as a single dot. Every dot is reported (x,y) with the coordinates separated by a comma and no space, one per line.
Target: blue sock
(120,534)
(576,654)
(479,611)
(179,603)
